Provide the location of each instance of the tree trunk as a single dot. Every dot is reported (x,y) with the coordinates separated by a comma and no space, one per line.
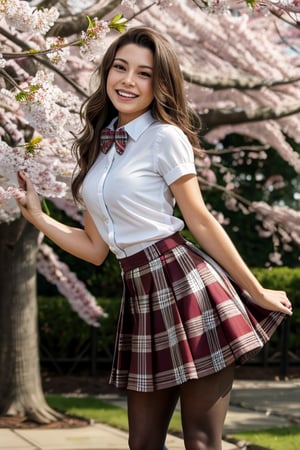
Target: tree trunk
(20,381)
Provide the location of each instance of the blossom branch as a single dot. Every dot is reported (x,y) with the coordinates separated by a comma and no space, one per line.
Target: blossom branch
(67,27)
(218,187)
(281,223)
(142,10)
(238,83)
(291,8)
(233,116)
(241,148)
(10,79)
(58,273)
(40,59)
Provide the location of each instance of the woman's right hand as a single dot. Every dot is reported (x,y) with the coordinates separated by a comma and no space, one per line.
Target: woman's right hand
(28,200)
(86,243)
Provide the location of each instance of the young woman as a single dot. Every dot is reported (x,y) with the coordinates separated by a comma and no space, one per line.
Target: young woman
(183,322)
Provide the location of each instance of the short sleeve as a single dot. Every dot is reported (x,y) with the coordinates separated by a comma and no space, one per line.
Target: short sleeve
(175,156)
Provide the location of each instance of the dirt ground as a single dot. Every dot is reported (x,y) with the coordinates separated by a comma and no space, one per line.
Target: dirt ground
(66,384)
(72,384)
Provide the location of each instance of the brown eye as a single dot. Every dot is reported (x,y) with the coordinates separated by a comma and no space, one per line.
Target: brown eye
(118,66)
(145,74)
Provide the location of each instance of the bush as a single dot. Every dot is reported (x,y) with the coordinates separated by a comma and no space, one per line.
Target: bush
(286,279)
(67,341)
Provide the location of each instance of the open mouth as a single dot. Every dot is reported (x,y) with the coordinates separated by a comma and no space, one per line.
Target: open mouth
(126,94)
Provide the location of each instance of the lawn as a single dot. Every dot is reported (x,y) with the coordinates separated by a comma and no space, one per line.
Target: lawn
(287,438)
(100,411)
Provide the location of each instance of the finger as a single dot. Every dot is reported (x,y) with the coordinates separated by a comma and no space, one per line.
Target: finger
(26,182)
(288,311)
(21,180)
(286,302)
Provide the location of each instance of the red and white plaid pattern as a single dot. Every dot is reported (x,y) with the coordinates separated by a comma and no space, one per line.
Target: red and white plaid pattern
(108,137)
(182,318)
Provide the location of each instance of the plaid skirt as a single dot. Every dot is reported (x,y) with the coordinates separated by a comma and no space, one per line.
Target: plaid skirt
(182,318)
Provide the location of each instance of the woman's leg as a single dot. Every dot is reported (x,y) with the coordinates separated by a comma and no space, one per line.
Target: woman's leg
(204,405)
(149,414)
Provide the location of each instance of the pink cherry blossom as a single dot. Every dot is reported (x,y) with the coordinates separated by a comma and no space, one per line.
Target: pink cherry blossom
(22,16)
(68,285)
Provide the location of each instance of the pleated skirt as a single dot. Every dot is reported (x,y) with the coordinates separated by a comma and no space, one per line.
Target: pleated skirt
(182,318)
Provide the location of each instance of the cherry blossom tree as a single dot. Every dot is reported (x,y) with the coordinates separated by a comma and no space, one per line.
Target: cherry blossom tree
(39,111)
(240,61)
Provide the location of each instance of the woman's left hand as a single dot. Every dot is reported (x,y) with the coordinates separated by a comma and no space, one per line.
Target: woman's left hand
(274,300)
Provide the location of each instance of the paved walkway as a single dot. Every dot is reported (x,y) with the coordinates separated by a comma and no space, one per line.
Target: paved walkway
(254,404)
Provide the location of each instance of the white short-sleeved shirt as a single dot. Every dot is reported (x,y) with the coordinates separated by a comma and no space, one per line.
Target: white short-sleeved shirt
(128,195)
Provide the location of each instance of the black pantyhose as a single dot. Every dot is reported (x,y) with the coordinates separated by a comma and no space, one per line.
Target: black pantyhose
(204,404)
(149,415)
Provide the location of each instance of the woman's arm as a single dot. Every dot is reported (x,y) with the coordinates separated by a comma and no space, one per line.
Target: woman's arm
(86,243)
(216,242)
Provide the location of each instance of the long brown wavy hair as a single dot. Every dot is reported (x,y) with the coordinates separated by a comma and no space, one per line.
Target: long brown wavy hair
(169,104)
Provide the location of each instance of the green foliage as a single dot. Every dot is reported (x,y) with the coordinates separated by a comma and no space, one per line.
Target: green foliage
(61,331)
(32,145)
(64,335)
(91,23)
(24,96)
(118,23)
(251,3)
(283,278)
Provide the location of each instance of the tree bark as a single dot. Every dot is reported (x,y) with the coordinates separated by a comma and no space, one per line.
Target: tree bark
(20,381)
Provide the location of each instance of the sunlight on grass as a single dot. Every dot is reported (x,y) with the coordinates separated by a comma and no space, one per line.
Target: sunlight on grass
(287,438)
(175,424)
(90,408)
(99,410)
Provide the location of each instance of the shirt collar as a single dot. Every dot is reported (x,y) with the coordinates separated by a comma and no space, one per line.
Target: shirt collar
(137,126)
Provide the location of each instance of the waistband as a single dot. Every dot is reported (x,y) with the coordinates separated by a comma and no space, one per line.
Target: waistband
(151,252)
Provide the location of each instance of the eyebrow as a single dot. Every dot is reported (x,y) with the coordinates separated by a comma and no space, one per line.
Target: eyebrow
(126,62)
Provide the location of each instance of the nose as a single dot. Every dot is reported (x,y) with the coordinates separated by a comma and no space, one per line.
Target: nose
(128,78)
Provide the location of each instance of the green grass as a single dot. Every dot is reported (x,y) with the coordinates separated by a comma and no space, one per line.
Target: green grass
(90,408)
(287,438)
(99,410)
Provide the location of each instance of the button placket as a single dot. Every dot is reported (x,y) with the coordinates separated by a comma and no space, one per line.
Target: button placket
(103,205)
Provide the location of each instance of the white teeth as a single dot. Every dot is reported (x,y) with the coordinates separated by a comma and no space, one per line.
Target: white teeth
(126,94)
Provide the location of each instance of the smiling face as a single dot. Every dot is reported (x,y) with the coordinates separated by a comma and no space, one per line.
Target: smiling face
(130,82)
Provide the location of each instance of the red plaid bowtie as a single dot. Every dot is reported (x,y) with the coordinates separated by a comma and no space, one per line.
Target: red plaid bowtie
(108,137)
